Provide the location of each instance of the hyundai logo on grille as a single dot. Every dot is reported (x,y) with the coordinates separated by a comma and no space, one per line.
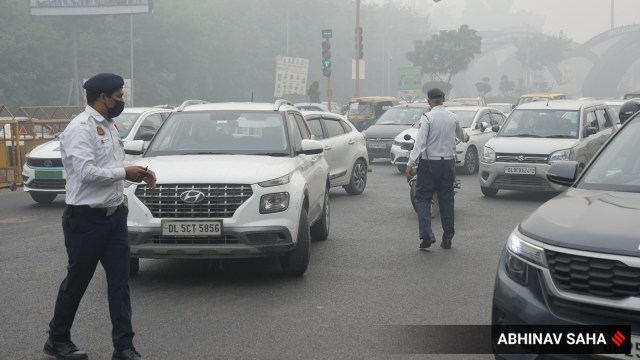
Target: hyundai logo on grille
(48,163)
(192,196)
(521,158)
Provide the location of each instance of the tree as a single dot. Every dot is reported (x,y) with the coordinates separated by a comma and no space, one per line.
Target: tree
(506,86)
(540,51)
(447,53)
(483,87)
(314,92)
(444,86)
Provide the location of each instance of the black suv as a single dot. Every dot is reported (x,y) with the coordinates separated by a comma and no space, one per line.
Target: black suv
(576,259)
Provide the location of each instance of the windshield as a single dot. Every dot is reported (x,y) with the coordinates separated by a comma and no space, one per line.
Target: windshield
(504,108)
(221,132)
(125,122)
(401,116)
(542,123)
(465,117)
(617,168)
(361,109)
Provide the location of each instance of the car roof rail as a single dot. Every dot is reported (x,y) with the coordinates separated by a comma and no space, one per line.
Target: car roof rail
(190,102)
(280,102)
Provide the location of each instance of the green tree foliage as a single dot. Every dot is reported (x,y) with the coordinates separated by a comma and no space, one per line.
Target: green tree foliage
(483,87)
(507,86)
(539,51)
(313,92)
(447,53)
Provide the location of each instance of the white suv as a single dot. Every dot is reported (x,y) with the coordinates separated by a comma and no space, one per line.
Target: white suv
(43,175)
(235,180)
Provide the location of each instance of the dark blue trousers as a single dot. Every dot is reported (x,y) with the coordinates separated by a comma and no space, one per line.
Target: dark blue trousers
(435,177)
(90,239)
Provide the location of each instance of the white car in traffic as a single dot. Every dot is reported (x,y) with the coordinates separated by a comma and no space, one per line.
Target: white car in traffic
(345,150)
(235,180)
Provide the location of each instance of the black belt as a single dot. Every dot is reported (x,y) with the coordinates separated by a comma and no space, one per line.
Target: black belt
(88,210)
(443,158)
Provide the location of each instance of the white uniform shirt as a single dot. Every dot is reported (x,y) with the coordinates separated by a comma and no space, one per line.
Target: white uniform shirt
(93,158)
(436,137)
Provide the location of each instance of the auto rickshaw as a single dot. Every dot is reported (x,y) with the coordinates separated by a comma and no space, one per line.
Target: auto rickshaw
(364,111)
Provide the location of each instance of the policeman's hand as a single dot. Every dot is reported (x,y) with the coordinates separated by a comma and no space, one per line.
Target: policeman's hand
(135,173)
(408,172)
(150,179)
(466,138)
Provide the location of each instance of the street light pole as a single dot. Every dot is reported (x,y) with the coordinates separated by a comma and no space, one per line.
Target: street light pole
(612,10)
(357,47)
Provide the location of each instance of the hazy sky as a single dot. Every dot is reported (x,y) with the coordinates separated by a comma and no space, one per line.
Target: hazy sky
(580,20)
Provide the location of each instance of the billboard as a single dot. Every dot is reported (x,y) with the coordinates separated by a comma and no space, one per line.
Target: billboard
(409,81)
(291,76)
(90,7)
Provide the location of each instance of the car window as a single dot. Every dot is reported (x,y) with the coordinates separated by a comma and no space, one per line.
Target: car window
(465,117)
(316,128)
(124,122)
(346,127)
(302,125)
(541,123)
(617,168)
(603,116)
(333,128)
(497,119)
(591,120)
(149,126)
(294,131)
(484,118)
(401,115)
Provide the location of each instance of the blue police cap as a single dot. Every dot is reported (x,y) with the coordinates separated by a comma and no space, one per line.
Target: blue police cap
(435,93)
(105,82)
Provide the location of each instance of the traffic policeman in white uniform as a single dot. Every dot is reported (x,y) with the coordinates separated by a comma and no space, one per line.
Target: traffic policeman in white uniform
(95,219)
(435,146)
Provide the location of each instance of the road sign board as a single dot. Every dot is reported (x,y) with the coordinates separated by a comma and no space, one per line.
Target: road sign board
(291,76)
(410,78)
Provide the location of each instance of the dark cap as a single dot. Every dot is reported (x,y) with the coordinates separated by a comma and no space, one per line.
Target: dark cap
(105,82)
(435,93)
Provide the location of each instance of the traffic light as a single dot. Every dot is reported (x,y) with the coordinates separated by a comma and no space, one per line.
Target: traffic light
(359,42)
(326,58)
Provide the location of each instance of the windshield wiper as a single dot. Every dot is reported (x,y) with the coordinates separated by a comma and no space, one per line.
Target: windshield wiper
(271,154)
(207,153)
(560,137)
(523,135)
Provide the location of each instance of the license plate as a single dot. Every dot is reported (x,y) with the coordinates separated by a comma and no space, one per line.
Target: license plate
(210,228)
(635,350)
(48,174)
(517,170)
(377,146)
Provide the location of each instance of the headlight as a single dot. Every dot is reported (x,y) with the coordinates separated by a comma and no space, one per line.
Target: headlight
(488,155)
(275,182)
(276,202)
(559,155)
(397,142)
(525,250)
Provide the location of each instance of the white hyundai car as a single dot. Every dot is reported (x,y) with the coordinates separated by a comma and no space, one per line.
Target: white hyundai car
(345,150)
(235,180)
(43,175)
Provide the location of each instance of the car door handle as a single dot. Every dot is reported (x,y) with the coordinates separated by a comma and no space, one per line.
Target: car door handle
(327,147)
(351,142)
(315,158)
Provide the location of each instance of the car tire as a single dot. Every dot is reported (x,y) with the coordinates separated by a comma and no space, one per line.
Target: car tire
(42,197)
(358,181)
(134,266)
(402,168)
(320,230)
(296,261)
(488,191)
(435,206)
(471,161)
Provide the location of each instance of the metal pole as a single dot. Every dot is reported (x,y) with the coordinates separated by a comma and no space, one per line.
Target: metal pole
(356,38)
(74,56)
(329,92)
(612,10)
(131,41)
(287,24)
(383,62)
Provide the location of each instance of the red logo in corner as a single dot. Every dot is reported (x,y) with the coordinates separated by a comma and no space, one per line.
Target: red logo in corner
(618,338)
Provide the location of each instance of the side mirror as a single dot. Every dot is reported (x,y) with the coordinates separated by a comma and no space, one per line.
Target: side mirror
(311,147)
(590,131)
(483,126)
(563,172)
(407,137)
(146,136)
(135,147)
(495,128)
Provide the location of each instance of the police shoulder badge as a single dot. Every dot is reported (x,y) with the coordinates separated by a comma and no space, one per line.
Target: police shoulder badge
(100,131)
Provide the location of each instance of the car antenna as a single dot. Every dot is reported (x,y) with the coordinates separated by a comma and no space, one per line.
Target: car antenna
(252,96)
(548,101)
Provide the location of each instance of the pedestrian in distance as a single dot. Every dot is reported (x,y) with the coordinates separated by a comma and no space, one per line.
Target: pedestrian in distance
(435,149)
(94,222)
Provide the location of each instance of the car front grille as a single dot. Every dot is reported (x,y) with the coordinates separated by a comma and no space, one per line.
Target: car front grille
(220,200)
(594,314)
(520,180)
(44,162)
(179,240)
(522,158)
(593,276)
(46,184)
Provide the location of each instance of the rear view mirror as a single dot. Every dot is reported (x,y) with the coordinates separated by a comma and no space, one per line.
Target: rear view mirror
(590,131)
(483,126)
(563,172)
(135,147)
(495,128)
(407,137)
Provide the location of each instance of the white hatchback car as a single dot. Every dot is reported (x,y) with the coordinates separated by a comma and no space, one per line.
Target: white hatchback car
(345,150)
(43,175)
(235,180)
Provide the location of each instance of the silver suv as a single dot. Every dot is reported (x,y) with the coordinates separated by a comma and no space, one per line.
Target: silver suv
(538,134)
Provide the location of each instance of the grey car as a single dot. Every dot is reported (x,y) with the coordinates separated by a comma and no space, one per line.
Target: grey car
(576,259)
(380,135)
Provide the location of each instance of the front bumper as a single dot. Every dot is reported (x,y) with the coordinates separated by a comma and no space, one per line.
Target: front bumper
(493,176)
(379,149)
(47,179)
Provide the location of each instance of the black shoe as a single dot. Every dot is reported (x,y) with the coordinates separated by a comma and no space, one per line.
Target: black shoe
(64,350)
(426,243)
(446,244)
(129,354)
